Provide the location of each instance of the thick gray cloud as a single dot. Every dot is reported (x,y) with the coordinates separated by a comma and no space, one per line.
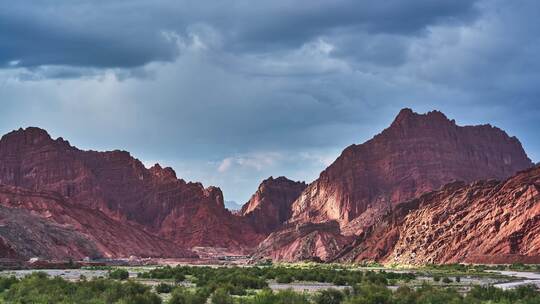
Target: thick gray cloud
(229,92)
(133,33)
(77,33)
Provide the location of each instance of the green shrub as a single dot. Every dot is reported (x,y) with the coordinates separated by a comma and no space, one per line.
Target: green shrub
(429,295)
(404,295)
(179,277)
(284,278)
(339,280)
(164,288)
(329,296)
(288,296)
(181,295)
(38,288)
(6,282)
(221,296)
(119,274)
(368,293)
(234,289)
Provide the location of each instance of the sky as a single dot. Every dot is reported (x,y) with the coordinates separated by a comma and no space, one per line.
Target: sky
(229,93)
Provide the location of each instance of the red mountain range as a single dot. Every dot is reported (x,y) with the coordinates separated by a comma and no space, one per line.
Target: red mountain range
(375,202)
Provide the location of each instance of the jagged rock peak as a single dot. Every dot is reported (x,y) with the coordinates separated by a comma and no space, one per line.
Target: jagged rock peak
(407,117)
(278,180)
(270,206)
(270,187)
(166,172)
(29,135)
(405,113)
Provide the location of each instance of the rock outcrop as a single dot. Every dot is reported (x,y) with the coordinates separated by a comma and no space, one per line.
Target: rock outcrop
(418,153)
(46,225)
(270,206)
(318,242)
(120,187)
(481,222)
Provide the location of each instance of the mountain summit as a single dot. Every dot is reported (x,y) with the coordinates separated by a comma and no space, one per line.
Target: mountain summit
(418,153)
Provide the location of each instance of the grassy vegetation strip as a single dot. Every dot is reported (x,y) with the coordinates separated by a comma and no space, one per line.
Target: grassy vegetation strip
(249,285)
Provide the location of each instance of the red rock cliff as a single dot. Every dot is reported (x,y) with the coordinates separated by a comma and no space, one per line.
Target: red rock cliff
(482,222)
(418,153)
(270,206)
(121,187)
(44,224)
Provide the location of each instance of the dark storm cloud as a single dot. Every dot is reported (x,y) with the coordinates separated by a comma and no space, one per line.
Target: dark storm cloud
(131,33)
(77,33)
(291,24)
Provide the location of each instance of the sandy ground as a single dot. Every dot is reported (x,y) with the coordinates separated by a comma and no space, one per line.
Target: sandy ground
(529,278)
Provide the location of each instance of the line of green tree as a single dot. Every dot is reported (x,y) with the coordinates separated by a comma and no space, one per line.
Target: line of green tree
(38,288)
(478,268)
(237,279)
